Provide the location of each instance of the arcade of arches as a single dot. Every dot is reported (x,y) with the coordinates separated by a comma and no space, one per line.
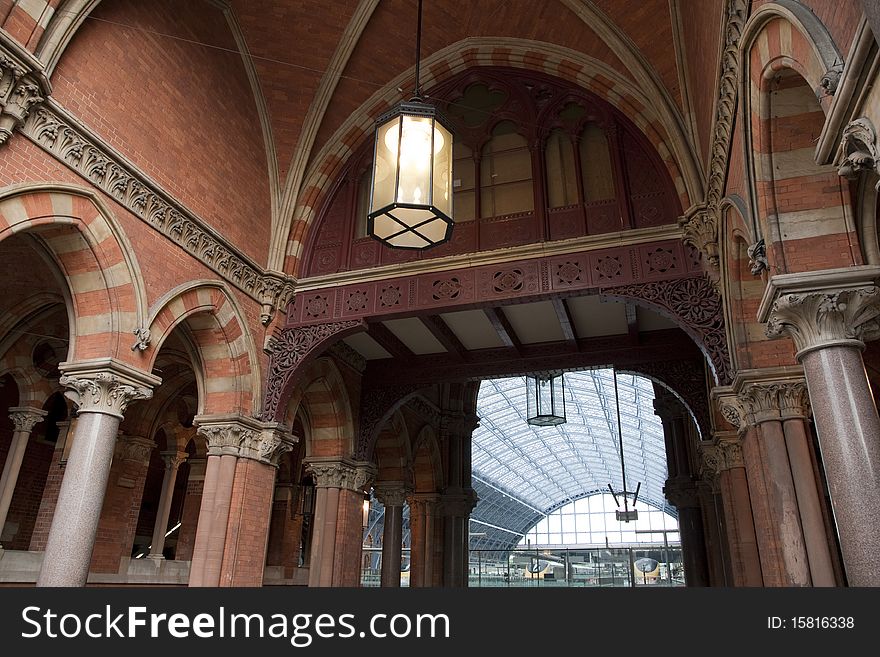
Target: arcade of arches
(206,363)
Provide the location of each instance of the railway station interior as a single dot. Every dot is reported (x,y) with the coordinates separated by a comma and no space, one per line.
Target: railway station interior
(388,293)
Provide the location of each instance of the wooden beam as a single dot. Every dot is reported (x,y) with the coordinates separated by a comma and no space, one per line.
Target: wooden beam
(504,329)
(615,350)
(445,336)
(565,321)
(388,341)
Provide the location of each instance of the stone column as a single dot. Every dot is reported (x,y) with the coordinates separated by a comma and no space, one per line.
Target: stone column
(393,497)
(172,459)
(101,390)
(682,493)
(335,481)
(716,547)
(456,506)
(755,410)
(231,439)
(828,314)
(24,418)
(723,460)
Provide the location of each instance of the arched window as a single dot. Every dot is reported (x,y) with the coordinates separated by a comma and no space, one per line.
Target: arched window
(506,173)
(362,205)
(463,183)
(561,173)
(596,168)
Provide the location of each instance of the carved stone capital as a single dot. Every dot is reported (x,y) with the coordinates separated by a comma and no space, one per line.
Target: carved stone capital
(173,459)
(681,492)
(821,309)
(341,473)
(105,386)
(668,408)
(459,502)
(423,504)
(226,438)
(729,454)
(757,397)
(270,444)
(274,291)
(25,418)
(459,423)
(391,493)
(136,449)
(22,85)
(700,228)
(858,149)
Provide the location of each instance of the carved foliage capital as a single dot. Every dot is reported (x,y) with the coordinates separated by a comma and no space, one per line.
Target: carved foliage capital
(349,475)
(103,393)
(25,418)
(134,448)
(825,317)
(681,492)
(173,459)
(701,231)
(392,493)
(226,438)
(20,90)
(765,402)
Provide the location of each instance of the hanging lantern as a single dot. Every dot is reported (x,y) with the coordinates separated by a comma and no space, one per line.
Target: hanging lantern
(545,399)
(411,188)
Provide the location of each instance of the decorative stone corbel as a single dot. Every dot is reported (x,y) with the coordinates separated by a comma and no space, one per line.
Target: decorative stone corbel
(831,78)
(276,291)
(142,339)
(22,85)
(700,228)
(757,253)
(858,149)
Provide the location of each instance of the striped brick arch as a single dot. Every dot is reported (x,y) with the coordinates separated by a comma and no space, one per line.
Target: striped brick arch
(228,379)
(802,205)
(567,64)
(392,451)
(427,464)
(97,263)
(322,402)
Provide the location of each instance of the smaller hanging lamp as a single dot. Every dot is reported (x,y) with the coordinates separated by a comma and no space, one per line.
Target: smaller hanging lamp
(545,399)
(410,191)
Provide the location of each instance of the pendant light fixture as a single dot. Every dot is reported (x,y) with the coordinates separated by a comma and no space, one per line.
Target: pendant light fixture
(545,399)
(411,187)
(627,514)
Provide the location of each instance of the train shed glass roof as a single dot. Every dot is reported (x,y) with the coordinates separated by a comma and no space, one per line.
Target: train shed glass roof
(522,472)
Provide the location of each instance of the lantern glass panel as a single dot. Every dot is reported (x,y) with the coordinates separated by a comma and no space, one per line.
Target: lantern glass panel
(545,400)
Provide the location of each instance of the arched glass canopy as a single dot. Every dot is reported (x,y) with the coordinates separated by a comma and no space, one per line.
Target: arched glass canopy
(522,473)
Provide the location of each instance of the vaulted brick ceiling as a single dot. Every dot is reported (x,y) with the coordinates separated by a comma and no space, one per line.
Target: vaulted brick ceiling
(293,44)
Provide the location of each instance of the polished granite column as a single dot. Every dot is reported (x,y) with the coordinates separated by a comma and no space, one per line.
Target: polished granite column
(101,390)
(828,314)
(24,419)
(393,497)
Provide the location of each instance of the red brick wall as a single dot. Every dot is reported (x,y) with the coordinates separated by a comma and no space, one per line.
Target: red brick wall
(189,519)
(182,112)
(349,539)
(163,265)
(119,515)
(380,56)
(247,533)
(701,32)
